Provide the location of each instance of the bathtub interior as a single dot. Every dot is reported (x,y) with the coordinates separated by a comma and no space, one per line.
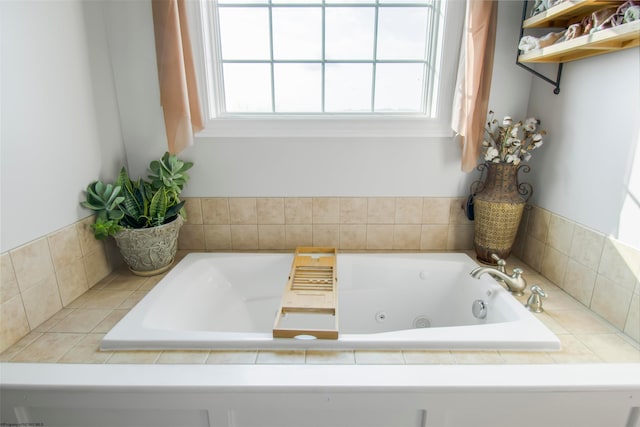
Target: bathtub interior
(408,300)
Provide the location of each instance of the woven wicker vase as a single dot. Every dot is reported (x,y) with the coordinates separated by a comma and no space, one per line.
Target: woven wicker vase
(498,210)
(149,251)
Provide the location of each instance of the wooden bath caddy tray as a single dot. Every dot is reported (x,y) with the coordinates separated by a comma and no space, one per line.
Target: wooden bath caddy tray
(310,299)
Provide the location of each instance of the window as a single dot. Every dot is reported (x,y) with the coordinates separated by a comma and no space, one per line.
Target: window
(355,66)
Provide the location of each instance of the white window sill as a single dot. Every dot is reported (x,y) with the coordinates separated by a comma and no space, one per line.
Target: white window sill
(324,127)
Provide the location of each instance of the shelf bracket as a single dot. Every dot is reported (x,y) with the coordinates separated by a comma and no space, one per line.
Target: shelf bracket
(556,82)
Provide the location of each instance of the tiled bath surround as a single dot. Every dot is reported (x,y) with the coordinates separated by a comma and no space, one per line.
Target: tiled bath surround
(598,271)
(348,223)
(41,278)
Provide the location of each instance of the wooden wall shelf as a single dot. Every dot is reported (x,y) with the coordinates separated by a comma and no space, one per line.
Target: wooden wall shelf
(566,13)
(605,41)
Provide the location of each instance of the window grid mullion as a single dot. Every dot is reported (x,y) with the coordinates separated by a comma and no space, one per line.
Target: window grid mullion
(271,63)
(323,74)
(374,66)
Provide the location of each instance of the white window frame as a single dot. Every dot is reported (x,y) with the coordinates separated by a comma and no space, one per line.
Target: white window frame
(370,125)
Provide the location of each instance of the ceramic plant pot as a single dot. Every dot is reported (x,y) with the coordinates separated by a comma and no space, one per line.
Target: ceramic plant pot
(149,251)
(498,206)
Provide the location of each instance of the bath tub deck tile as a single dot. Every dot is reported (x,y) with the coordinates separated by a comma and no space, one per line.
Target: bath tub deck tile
(329,357)
(110,320)
(81,320)
(526,357)
(281,357)
(86,350)
(49,347)
(610,348)
(435,357)
(183,357)
(53,320)
(573,351)
(245,357)
(379,357)
(489,357)
(136,356)
(9,353)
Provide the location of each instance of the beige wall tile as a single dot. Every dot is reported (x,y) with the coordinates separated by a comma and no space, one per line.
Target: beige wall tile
(456,213)
(191,237)
(271,236)
(32,263)
(579,282)
(270,210)
(244,237)
(586,246)
(13,322)
(554,264)
(381,210)
(409,210)
(434,237)
(72,281)
(88,242)
(41,301)
(8,282)
(560,234)
(298,235)
(96,265)
(620,263)
(460,237)
(379,236)
(611,301)
(326,235)
(353,210)
(215,211)
(353,236)
(326,210)
(193,209)
(436,210)
(407,237)
(538,225)
(533,252)
(217,237)
(243,211)
(632,324)
(298,210)
(65,247)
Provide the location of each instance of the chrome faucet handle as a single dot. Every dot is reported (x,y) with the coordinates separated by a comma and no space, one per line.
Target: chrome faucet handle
(517,272)
(534,303)
(500,262)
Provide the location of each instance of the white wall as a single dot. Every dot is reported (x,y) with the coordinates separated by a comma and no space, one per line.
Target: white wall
(60,127)
(262,167)
(584,171)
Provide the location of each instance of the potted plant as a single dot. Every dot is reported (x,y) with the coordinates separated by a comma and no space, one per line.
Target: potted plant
(143,216)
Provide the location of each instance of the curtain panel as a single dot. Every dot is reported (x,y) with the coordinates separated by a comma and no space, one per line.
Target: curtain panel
(471,98)
(176,74)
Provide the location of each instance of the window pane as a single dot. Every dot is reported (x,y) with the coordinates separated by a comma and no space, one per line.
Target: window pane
(297,33)
(349,32)
(298,88)
(402,32)
(243,1)
(348,87)
(247,88)
(399,87)
(244,33)
(427,2)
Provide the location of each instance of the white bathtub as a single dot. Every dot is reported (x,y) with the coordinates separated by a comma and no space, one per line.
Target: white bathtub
(386,301)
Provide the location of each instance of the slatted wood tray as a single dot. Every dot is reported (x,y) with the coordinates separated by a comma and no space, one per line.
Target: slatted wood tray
(310,299)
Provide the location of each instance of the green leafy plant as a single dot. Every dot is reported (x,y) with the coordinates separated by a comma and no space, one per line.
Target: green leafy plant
(140,203)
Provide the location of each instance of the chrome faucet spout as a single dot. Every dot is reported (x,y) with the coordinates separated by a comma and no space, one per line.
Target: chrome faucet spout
(514,283)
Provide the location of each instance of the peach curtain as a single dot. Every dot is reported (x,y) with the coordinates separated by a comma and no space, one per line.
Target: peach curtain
(176,73)
(473,85)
